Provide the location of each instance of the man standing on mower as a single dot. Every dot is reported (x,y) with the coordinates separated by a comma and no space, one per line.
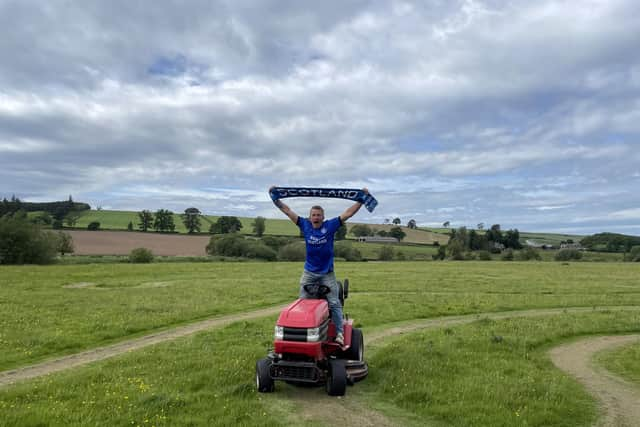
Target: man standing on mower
(318,267)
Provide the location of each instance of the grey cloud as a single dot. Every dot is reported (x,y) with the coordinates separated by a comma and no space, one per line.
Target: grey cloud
(482,102)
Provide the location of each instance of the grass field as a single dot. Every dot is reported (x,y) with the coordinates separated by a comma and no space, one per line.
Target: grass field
(549,238)
(453,376)
(542,238)
(624,362)
(119,220)
(61,309)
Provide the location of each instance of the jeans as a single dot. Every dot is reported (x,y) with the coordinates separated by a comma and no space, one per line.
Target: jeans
(328,279)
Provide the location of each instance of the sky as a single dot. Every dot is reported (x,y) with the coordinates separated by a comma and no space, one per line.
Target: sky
(519,113)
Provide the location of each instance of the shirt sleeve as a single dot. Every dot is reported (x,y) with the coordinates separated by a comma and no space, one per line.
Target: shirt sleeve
(334,224)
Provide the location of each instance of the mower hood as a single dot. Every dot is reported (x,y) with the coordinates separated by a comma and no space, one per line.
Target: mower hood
(304,313)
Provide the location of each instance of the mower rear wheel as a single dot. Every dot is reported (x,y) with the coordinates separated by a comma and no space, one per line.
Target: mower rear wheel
(264,382)
(356,350)
(337,378)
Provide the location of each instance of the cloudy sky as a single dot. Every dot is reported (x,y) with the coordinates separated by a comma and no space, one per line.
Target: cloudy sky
(520,113)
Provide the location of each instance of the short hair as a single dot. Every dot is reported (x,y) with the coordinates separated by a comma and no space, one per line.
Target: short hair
(318,208)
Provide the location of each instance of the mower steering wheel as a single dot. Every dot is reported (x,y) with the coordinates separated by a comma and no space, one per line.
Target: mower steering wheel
(317,291)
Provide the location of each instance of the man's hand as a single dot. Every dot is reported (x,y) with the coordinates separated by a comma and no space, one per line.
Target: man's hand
(284,208)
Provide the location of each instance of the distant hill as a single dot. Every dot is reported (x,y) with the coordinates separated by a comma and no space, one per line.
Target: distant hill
(119,220)
(610,242)
(59,209)
(553,239)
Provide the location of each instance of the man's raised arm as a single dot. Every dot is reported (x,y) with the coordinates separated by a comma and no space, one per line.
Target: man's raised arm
(285,209)
(351,211)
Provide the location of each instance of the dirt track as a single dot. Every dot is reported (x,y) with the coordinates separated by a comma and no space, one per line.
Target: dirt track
(620,400)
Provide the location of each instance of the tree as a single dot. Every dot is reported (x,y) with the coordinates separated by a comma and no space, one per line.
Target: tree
(446,224)
(494,234)
(481,226)
(396,221)
(72,218)
(93,226)
(65,243)
(387,220)
(397,233)
(386,253)
(22,242)
(225,224)
(259,224)
(458,242)
(163,221)
(341,233)
(42,219)
(441,254)
(412,224)
(191,220)
(512,239)
(130,226)
(146,220)
(360,230)
(477,241)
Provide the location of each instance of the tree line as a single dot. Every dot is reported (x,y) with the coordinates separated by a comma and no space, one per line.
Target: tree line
(163,221)
(53,214)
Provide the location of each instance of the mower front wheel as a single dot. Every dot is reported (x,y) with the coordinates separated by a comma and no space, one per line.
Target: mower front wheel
(264,382)
(337,378)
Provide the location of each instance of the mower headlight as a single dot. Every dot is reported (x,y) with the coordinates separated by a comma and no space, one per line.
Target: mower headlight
(313,334)
(279,332)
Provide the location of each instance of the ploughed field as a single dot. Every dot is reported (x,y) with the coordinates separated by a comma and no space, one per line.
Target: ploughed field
(122,242)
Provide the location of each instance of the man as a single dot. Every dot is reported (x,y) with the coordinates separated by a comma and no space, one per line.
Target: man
(318,267)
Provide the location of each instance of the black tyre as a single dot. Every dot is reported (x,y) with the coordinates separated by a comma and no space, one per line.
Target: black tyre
(264,382)
(337,378)
(356,350)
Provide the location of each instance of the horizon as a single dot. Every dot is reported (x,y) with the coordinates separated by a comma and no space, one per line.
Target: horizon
(353,220)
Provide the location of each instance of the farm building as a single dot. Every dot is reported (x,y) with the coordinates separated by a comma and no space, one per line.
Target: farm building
(377,239)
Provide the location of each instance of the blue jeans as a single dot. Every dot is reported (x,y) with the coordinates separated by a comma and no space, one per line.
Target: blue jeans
(328,279)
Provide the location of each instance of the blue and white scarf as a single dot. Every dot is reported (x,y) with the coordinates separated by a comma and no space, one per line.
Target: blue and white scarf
(367,200)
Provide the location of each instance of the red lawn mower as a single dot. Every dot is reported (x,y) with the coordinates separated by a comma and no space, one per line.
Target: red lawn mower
(305,352)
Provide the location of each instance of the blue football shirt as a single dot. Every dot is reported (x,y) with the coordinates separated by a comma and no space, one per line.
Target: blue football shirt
(319,242)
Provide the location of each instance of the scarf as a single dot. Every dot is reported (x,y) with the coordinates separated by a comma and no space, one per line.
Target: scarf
(367,200)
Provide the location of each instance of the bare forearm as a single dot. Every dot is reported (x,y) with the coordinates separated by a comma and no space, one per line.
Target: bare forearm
(286,210)
(351,211)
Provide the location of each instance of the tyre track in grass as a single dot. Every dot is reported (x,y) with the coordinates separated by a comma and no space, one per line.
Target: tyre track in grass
(313,404)
(100,353)
(619,400)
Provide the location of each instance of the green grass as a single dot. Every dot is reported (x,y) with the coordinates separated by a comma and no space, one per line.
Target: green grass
(489,373)
(453,376)
(371,251)
(623,361)
(119,220)
(543,238)
(201,380)
(41,318)
(549,238)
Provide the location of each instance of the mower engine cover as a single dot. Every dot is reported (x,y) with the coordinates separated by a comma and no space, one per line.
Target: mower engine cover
(302,327)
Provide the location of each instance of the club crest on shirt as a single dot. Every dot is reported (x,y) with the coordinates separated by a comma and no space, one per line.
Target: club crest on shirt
(323,230)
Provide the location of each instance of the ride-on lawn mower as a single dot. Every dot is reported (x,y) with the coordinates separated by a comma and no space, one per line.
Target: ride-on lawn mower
(304,348)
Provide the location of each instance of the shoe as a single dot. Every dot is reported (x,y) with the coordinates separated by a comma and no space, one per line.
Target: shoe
(340,338)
